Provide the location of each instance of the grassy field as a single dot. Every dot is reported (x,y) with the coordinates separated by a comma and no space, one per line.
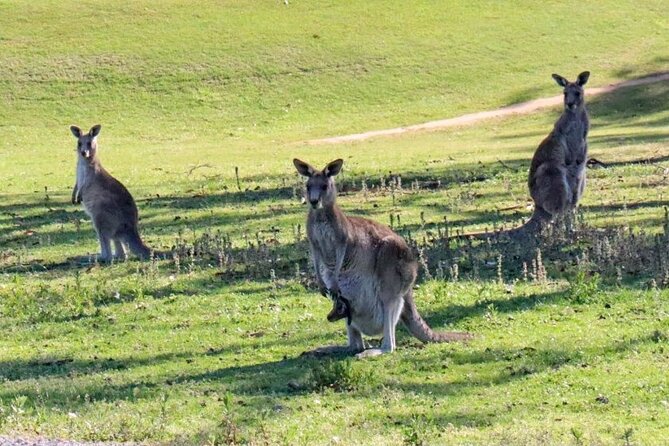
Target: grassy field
(203,108)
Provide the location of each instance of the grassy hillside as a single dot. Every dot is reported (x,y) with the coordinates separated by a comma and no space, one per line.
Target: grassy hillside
(204,347)
(177,75)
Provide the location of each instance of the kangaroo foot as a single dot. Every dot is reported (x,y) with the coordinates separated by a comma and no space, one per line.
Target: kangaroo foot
(370,353)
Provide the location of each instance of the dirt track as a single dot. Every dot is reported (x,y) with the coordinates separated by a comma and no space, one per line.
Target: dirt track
(516,109)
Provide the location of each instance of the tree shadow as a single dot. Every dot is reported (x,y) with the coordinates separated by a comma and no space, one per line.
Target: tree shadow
(517,363)
(456,313)
(263,379)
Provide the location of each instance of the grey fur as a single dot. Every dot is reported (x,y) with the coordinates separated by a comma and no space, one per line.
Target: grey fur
(108,203)
(557,172)
(367,264)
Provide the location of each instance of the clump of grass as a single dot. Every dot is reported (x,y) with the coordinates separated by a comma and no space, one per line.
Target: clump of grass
(227,431)
(340,376)
(583,289)
(414,433)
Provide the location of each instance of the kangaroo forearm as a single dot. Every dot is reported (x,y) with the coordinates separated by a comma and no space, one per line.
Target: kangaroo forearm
(339,262)
(75,195)
(317,269)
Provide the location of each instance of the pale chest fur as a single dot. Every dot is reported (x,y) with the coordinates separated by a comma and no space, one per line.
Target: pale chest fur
(573,131)
(323,239)
(84,175)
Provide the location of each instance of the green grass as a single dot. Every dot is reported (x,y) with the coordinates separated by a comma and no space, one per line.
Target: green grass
(206,349)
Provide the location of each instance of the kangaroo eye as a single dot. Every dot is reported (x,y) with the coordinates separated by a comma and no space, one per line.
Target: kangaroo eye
(324,187)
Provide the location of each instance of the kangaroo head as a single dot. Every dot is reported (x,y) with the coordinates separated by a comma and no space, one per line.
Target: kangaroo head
(87,143)
(321,189)
(573,91)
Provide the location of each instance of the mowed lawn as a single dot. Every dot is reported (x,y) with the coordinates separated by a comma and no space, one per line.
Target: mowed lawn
(203,108)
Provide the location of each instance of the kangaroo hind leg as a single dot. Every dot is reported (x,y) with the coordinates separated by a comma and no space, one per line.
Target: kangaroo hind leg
(105,247)
(551,191)
(392,309)
(119,248)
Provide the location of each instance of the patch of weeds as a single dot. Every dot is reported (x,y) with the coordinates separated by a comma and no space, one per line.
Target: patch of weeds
(627,436)
(229,431)
(583,289)
(416,432)
(226,432)
(38,301)
(578,435)
(42,301)
(340,376)
(522,370)
(19,407)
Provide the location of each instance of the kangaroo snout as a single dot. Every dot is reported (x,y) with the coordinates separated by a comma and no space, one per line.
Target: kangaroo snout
(314,203)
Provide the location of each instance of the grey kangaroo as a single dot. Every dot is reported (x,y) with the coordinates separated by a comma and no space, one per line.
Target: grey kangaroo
(365,265)
(105,200)
(557,172)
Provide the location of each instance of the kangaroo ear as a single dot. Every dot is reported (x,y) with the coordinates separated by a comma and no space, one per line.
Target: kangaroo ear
(95,130)
(562,82)
(304,168)
(76,131)
(333,168)
(583,78)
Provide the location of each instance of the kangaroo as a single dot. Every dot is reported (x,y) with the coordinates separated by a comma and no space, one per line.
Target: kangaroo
(369,269)
(108,203)
(557,172)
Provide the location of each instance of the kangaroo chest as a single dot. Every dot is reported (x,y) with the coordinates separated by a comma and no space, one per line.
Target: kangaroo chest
(84,175)
(576,148)
(324,240)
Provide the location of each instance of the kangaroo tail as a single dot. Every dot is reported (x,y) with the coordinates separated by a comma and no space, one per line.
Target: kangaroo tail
(539,217)
(136,244)
(419,328)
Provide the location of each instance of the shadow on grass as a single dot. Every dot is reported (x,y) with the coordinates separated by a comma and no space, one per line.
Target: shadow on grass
(270,379)
(518,363)
(631,106)
(457,313)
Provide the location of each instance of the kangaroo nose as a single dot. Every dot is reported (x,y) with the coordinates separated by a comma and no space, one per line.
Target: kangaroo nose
(314,203)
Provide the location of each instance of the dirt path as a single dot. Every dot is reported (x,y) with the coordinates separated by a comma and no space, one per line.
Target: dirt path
(516,109)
